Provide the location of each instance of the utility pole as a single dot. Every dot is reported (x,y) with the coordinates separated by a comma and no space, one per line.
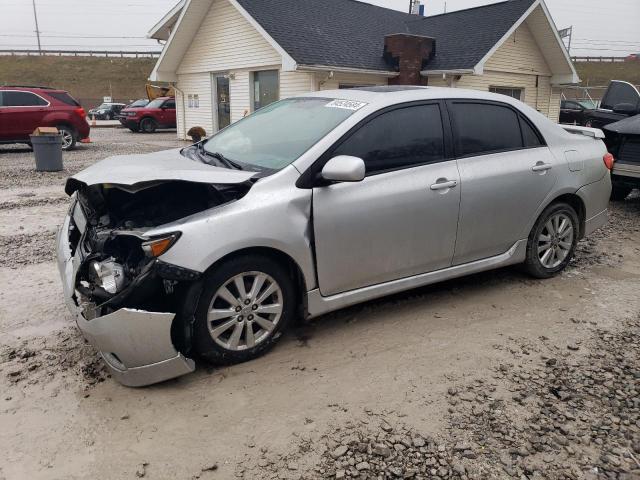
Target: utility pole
(35,16)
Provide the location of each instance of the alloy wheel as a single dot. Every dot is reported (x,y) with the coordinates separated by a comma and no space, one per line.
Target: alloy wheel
(245,310)
(555,240)
(67,139)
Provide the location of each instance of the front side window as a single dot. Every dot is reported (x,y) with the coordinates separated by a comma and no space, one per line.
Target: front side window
(275,136)
(22,99)
(170,104)
(266,88)
(483,128)
(399,138)
(508,91)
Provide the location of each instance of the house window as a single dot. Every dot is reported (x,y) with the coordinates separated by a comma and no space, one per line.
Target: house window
(508,91)
(266,88)
(193,100)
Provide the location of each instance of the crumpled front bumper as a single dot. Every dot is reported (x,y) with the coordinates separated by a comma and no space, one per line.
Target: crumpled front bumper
(135,345)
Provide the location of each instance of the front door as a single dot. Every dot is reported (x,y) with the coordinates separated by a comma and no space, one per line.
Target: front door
(221,102)
(506,173)
(401,219)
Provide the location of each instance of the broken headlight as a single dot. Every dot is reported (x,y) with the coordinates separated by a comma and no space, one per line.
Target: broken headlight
(109,275)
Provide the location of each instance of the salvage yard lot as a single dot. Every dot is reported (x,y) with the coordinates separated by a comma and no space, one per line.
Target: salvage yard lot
(492,376)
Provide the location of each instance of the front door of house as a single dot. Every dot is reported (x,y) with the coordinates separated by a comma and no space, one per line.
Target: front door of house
(221,102)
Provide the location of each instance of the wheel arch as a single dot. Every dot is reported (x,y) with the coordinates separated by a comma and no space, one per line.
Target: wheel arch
(281,258)
(577,203)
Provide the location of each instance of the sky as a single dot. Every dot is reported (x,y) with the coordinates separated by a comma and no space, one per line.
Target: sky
(600,27)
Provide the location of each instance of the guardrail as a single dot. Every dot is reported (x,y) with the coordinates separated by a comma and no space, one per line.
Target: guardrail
(599,59)
(83,53)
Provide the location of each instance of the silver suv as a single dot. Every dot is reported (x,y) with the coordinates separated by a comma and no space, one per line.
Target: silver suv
(312,204)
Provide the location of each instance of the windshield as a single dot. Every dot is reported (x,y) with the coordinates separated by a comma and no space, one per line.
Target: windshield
(104,106)
(139,103)
(276,135)
(157,103)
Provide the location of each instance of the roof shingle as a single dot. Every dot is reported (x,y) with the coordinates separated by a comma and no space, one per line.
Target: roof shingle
(349,33)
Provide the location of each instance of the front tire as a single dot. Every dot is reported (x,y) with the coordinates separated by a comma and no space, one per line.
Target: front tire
(552,241)
(69,137)
(148,125)
(246,305)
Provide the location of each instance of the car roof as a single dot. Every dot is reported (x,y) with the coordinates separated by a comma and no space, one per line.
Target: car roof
(389,95)
(28,88)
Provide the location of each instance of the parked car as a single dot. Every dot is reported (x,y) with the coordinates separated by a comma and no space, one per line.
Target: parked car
(142,102)
(621,100)
(106,111)
(158,113)
(623,141)
(23,109)
(573,112)
(312,204)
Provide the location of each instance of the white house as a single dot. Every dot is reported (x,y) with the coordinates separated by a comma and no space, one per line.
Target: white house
(227,58)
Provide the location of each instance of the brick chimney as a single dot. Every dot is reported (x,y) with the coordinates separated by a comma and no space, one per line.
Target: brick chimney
(408,54)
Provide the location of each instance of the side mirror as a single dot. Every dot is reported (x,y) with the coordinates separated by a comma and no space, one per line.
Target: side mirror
(625,109)
(344,168)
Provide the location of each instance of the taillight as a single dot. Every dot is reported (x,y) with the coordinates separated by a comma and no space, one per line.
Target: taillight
(608,161)
(80,111)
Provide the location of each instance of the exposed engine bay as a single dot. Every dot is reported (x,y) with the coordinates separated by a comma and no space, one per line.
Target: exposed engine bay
(119,265)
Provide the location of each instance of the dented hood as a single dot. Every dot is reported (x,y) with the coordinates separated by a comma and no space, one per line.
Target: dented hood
(131,170)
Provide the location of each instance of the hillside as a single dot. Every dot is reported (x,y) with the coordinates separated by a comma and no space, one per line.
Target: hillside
(600,73)
(88,79)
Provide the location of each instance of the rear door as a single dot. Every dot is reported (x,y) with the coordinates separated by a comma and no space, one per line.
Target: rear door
(401,219)
(22,113)
(506,172)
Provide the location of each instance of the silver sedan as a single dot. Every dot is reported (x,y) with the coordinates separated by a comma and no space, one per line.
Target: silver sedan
(312,204)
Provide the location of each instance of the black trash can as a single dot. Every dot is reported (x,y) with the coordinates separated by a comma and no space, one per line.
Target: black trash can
(48,152)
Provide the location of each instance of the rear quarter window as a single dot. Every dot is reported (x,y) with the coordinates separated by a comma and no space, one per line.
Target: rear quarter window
(64,98)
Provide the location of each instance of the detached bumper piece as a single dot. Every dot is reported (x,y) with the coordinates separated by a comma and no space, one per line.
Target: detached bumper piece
(136,346)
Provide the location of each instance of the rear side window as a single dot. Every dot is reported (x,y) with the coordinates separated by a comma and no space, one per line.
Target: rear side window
(483,128)
(399,138)
(620,92)
(22,99)
(64,98)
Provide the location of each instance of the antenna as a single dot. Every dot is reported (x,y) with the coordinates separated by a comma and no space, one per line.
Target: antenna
(35,16)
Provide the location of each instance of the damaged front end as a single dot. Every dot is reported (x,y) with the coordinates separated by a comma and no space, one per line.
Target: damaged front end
(135,308)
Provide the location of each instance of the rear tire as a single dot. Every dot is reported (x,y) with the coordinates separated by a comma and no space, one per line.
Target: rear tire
(619,192)
(148,125)
(69,137)
(552,241)
(233,326)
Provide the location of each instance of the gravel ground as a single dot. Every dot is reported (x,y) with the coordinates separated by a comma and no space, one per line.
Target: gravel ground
(487,377)
(575,413)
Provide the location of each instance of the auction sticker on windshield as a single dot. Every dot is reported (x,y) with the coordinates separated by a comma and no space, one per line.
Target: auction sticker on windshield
(346,104)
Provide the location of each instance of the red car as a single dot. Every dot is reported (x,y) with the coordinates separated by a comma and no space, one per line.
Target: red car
(158,113)
(23,109)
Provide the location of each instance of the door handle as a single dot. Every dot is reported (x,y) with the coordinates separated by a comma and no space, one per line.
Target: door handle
(444,184)
(541,167)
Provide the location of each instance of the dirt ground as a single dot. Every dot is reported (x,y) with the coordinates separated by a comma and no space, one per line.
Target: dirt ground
(491,376)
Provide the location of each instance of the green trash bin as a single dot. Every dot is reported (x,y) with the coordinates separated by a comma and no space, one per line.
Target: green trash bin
(48,152)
